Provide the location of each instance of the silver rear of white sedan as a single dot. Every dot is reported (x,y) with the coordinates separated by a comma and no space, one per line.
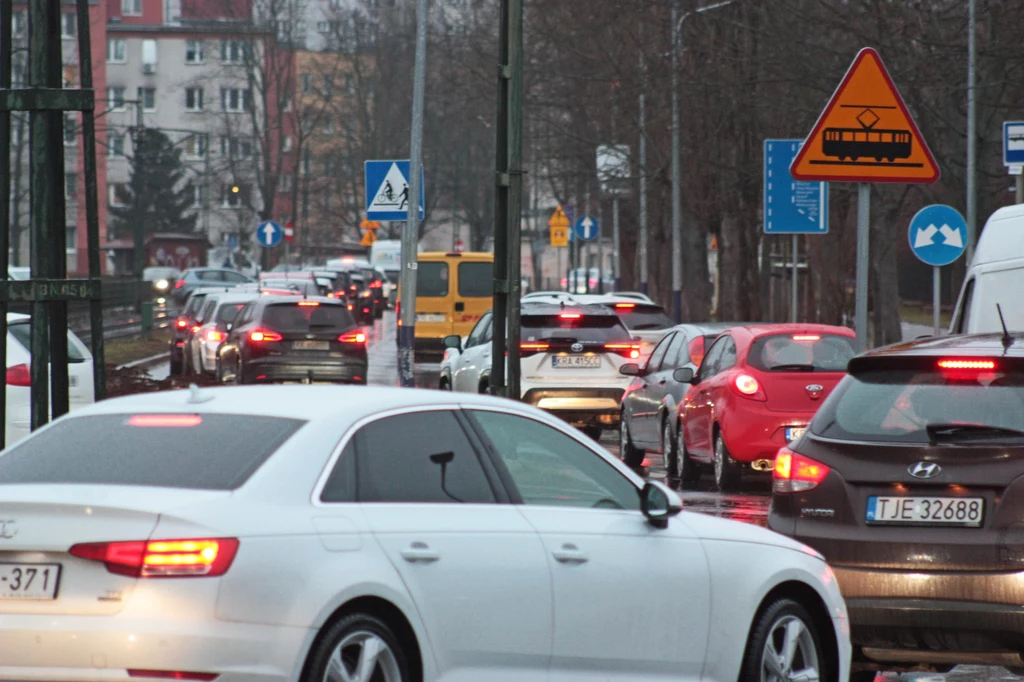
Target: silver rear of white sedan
(330,534)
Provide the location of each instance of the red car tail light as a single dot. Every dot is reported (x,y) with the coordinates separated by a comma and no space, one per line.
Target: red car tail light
(19,375)
(195,329)
(165,420)
(214,335)
(969,365)
(179,284)
(264,335)
(570,316)
(807,337)
(748,387)
(795,473)
(531,348)
(192,558)
(308,304)
(181,323)
(626,350)
(376,284)
(173,675)
(625,306)
(353,337)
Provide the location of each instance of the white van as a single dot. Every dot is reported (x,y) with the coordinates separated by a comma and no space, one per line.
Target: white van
(996,275)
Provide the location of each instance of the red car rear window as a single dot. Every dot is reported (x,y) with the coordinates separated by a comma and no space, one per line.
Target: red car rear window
(801,353)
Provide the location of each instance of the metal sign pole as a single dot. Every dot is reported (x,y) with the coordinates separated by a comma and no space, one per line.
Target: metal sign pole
(794,285)
(936,300)
(860,316)
(616,247)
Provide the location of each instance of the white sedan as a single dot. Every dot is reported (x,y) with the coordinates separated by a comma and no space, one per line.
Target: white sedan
(327,534)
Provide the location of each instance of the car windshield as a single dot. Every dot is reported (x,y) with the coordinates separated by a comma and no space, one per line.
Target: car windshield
(22,332)
(801,353)
(642,317)
(204,452)
(304,316)
(886,405)
(585,328)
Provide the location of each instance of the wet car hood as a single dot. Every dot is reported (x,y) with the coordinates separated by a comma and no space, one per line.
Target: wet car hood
(711,528)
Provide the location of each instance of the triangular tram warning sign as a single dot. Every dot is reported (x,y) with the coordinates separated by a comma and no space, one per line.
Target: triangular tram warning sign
(865,133)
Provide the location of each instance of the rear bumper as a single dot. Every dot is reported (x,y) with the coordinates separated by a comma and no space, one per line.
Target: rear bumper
(579,406)
(935,618)
(752,431)
(333,370)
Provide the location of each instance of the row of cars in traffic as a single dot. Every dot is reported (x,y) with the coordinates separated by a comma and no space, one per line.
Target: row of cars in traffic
(289,324)
(901,466)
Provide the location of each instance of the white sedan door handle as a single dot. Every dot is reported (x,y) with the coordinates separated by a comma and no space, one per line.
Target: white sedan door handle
(570,554)
(419,552)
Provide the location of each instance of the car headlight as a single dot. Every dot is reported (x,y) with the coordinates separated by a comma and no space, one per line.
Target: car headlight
(162,284)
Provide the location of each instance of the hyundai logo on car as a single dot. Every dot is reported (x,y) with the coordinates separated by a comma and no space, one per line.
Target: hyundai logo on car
(924,470)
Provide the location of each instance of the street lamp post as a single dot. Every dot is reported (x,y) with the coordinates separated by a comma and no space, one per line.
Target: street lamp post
(677,208)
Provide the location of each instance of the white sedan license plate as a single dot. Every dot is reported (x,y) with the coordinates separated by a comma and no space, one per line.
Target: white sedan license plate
(312,345)
(794,432)
(944,511)
(576,361)
(431,317)
(29,581)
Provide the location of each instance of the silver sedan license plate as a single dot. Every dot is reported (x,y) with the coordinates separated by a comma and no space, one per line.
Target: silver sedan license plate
(576,361)
(29,581)
(935,511)
(312,345)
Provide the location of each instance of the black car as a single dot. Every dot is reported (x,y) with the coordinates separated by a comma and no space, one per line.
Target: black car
(361,297)
(649,406)
(181,330)
(288,338)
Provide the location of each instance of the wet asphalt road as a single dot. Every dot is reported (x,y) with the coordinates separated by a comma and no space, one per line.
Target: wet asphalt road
(749,506)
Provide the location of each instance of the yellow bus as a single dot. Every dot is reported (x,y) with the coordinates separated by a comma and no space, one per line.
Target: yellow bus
(453,290)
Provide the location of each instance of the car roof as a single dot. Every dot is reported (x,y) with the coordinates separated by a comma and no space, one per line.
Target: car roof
(962,344)
(708,328)
(233,297)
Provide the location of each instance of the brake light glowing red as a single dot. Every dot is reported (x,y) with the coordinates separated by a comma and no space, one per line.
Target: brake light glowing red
(528,348)
(195,329)
(181,323)
(626,350)
(967,364)
(807,337)
(748,387)
(353,337)
(214,335)
(19,375)
(376,284)
(570,316)
(190,558)
(264,335)
(625,306)
(795,473)
(165,420)
(308,304)
(173,675)
(179,284)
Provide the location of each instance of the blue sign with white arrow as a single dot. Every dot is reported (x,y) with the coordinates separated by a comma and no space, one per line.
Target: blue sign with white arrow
(586,228)
(938,235)
(269,234)
(387,190)
(791,206)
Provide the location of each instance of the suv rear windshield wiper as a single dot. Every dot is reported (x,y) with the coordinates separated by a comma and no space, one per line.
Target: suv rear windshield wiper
(959,432)
(791,368)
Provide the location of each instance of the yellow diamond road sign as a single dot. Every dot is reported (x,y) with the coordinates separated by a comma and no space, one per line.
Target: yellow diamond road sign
(559,224)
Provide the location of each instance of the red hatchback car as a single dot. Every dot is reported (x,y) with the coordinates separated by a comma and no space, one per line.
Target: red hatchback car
(755,391)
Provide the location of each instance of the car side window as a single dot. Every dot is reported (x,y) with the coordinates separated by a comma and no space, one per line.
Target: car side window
(419,457)
(476,337)
(235,277)
(209,276)
(207,312)
(341,484)
(709,367)
(243,316)
(551,469)
(671,360)
(728,358)
(964,323)
(654,363)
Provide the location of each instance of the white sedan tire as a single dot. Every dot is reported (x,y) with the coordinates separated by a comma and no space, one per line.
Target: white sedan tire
(785,645)
(360,648)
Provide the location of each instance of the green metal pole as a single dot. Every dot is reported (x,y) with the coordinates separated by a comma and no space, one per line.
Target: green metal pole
(92,216)
(501,208)
(6,55)
(515,191)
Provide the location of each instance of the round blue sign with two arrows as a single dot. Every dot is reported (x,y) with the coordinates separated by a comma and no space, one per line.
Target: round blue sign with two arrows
(938,235)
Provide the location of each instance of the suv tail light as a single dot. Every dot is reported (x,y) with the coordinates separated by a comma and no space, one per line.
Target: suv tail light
(181,323)
(376,284)
(214,335)
(179,284)
(795,473)
(748,387)
(198,558)
(626,350)
(264,335)
(19,375)
(532,348)
(353,337)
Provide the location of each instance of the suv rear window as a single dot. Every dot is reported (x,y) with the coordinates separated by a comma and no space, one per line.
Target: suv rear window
(585,329)
(432,279)
(801,353)
(476,280)
(227,312)
(898,405)
(202,452)
(22,332)
(643,317)
(295,317)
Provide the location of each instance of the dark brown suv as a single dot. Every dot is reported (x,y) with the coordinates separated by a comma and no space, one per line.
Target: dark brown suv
(910,480)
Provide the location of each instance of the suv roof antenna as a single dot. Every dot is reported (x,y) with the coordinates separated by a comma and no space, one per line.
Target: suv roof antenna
(1007,339)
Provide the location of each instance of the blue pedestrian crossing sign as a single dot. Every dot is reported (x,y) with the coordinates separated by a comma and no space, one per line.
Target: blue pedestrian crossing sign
(938,235)
(387,190)
(586,228)
(269,234)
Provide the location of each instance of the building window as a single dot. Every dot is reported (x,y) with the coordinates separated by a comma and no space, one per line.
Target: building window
(328,127)
(234,51)
(287,105)
(286,143)
(234,99)
(197,196)
(70,130)
(115,144)
(115,98)
(149,56)
(70,185)
(196,146)
(323,26)
(284,183)
(71,240)
(131,8)
(148,98)
(68,25)
(19,23)
(118,194)
(307,83)
(117,51)
(236,147)
(194,52)
(194,99)
(233,196)
(328,85)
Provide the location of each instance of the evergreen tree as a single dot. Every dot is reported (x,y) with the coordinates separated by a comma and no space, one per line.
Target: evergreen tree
(165,198)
